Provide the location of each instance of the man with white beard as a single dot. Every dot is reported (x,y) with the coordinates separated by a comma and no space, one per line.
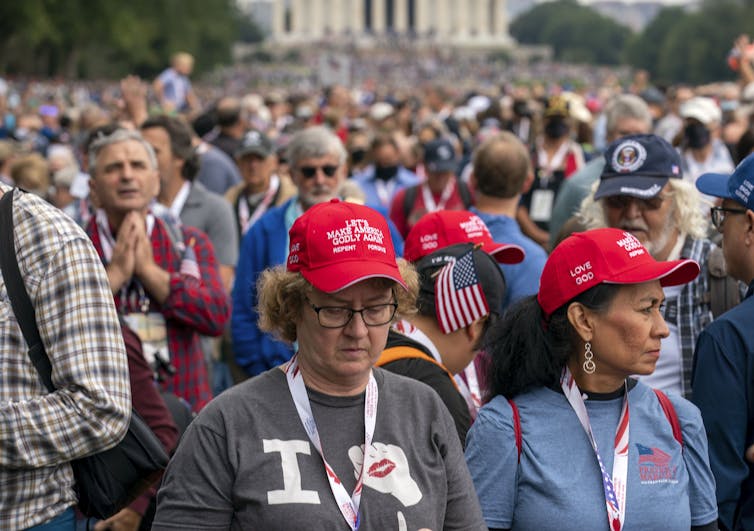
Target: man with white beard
(641,190)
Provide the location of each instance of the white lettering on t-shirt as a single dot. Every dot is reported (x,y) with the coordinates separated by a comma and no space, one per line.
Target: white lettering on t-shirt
(389,473)
(292,492)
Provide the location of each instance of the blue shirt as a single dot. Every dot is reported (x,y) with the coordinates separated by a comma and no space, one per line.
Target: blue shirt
(264,245)
(368,184)
(723,388)
(521,280)
(557,482)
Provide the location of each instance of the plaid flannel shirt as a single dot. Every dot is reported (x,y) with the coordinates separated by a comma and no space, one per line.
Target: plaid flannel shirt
(41,432)
(193,307)
(693,307)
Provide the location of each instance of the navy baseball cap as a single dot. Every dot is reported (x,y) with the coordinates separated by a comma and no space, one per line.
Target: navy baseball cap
(255,143)
(440,155)
(639,166)
(738,186)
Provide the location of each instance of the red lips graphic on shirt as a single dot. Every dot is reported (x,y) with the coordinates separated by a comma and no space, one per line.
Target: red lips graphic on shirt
(381,468)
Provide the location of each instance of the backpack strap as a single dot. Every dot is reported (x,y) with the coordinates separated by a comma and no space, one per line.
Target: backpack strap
(516,427)
(464,193)
(403,352)
(665,403)
(724,293)
(408,200)
(19,298)
(670,413)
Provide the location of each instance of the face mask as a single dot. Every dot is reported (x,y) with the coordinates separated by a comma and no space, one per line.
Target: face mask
(697,135)
(385,173)
(556,128)
(358,155)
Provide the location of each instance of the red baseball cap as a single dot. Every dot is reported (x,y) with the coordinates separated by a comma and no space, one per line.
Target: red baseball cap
(448,227)
(337,244)
(612,256)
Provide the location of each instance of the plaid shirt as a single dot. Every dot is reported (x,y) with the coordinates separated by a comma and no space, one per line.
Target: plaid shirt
(40,432)
(693,307)
(193,307)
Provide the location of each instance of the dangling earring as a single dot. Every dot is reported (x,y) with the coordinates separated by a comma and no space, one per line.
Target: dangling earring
(589,366)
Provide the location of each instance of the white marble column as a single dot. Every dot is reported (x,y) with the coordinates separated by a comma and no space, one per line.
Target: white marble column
(400,16)
(333,15)
(422,19)
(278,18)
(476,19)
(499,19)
(296,17)
(316,17)
(356,16)
(442,18)
(459,15)
(378,16)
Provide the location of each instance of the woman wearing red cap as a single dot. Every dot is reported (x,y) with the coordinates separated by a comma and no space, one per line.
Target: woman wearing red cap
(325,441)
(568,440)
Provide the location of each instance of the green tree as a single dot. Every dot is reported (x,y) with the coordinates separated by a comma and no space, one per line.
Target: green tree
(112,38)
(682,46)
(577,33)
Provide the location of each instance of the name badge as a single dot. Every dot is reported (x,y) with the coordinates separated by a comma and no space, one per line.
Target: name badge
(541,205)
(151,329)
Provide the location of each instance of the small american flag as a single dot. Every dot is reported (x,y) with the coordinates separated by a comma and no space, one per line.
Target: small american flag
(459,298)
(189,266)
(653,456)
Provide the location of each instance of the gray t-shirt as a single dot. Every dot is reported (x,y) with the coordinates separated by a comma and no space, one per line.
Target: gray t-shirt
(247,463)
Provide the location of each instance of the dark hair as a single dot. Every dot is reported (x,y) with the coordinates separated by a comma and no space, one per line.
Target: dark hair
(745,145)
(526,351)
(180,134)
(384,139)
(228,112)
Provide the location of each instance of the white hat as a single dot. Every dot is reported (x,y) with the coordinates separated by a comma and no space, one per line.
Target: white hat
(703,109)
(380,111)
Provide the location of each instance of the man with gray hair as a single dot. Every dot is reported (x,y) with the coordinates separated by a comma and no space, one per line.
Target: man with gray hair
(165,279)
(625,114)
(317,164)
(642,191)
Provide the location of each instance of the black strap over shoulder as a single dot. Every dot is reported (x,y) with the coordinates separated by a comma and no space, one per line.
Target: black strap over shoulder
(19,297)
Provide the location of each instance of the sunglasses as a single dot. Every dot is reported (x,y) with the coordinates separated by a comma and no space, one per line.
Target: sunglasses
(619,202)
(718,215)
(311,171)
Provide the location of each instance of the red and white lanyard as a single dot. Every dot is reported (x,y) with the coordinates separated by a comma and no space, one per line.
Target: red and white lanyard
(475,393)
(348,505)
(245,217)
(547,165)
(385,190)
(429,200)
(615,487)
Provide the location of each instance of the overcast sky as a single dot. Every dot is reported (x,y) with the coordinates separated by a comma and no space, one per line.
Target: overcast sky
(643,1)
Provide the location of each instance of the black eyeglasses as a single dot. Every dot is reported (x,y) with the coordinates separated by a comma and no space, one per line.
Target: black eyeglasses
(718,215)
(311,171)
(619,202)
(340,316)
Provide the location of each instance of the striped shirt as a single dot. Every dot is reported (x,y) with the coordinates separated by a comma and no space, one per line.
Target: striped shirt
(41,432)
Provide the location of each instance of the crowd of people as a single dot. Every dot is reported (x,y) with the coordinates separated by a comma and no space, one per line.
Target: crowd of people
(553,288)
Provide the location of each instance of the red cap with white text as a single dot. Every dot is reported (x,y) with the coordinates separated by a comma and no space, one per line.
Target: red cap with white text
(610,256)
(337,244)
(442,228)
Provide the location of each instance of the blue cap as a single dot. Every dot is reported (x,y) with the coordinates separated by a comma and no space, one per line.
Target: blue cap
(440,156)
(737,186)
(639,166)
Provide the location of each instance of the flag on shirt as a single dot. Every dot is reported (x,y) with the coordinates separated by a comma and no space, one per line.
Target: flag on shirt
(653,456)
(189,266)
(459,298)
